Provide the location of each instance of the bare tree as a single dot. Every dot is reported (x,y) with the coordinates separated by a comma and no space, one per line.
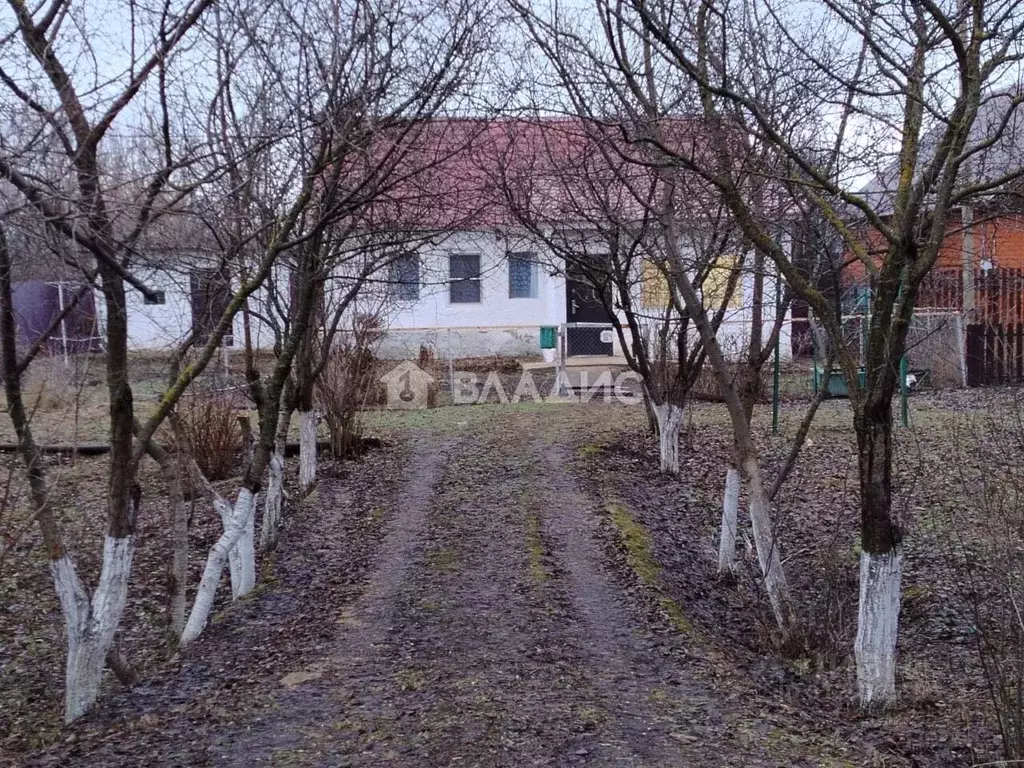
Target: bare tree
(355,83)
(54,162)
(922,94)
(609,77)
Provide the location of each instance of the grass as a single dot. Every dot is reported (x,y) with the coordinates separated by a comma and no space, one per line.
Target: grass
(445,561)
(535,545)
(636,542)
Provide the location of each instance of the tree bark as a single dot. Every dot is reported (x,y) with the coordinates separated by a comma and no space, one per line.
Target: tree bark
(240,516)
(275,487)
(308,421)
(243,557)
(670,420)
(652,420)
(91,637)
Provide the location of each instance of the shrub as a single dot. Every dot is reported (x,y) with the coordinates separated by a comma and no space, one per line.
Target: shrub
(349,383)
(210,425)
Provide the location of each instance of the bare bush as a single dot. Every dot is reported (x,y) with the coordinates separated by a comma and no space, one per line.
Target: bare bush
(349,383)
(210,426)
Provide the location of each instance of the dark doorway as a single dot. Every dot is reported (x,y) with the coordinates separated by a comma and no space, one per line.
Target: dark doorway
(210,295)
(584,304)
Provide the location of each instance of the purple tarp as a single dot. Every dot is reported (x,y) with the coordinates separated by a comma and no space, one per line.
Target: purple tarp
(36,304)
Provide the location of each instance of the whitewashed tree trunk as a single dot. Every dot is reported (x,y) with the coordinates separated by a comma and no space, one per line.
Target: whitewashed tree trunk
(768,550)
(245,555)
(878,628)
(730,519)
(238,520)
(239,558)
(308,421)
(670,420)
(274,500)
(91,627)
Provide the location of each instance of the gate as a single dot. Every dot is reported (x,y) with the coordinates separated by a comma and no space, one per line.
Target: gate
(995,354)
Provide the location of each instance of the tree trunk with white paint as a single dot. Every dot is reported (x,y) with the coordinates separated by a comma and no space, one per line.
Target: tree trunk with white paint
(670,421)
(244,558)
(878,628)
(91,628)
(881,560)
(768,549)
(274,501)
(241,557)
(237,521)
(730,519)
(308,421)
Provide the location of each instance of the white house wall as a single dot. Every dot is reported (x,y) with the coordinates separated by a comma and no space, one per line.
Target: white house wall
(496,325)
(158,326)
(162,327)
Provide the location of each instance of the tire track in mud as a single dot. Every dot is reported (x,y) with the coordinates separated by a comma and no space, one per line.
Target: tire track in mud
(514,648)
(304,729)
(661,716)
(485,678)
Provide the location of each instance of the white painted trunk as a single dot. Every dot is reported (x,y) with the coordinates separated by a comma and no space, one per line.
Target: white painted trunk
(215,560)
(308,421)
(235,556)
(878,628)
(273,502)
(245,554)
(670,420)
(91,627)
(768,550)
(730,519)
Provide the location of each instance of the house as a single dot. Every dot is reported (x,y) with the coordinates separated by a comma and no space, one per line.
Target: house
(470,279)
(490,287)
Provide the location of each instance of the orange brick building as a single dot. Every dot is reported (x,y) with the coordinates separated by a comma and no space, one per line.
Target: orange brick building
(980,269)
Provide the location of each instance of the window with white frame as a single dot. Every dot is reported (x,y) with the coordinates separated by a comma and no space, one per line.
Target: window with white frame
(464,278)
(404,277)
(522,276)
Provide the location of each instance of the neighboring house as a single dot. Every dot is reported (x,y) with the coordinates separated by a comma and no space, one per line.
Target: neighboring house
(969,316)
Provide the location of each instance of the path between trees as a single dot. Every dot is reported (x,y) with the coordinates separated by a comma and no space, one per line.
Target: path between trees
(491,632)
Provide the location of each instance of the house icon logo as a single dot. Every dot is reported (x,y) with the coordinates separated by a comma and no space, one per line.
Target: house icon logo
(408,386)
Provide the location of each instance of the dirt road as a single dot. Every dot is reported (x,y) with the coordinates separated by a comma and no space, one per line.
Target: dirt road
(491,633)
(457,603)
